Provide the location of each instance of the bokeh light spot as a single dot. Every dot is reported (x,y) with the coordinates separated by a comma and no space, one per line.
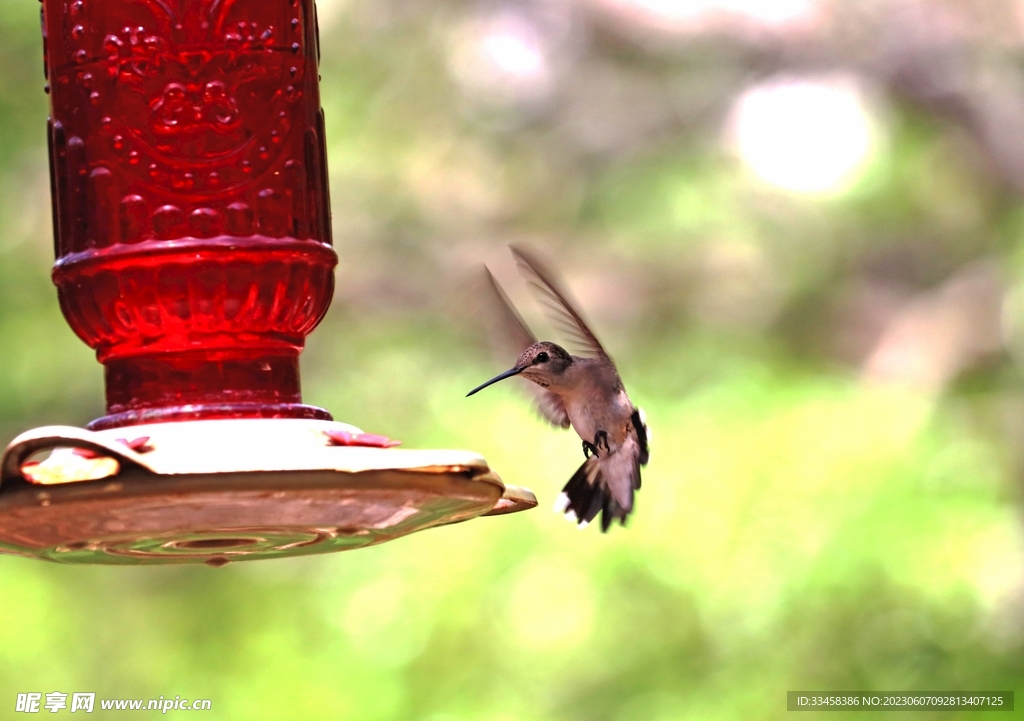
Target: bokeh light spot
(502,58)
(804,135)
(697,16)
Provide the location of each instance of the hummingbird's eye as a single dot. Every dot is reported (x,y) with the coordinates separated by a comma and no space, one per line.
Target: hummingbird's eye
(542,357)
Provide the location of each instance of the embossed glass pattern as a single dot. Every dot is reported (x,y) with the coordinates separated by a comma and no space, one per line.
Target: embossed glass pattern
(191,212)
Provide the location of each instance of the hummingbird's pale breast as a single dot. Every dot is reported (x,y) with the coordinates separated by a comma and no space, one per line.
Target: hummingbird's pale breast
(595,400)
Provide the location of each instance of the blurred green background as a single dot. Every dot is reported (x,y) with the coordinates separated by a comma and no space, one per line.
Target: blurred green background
(797,225)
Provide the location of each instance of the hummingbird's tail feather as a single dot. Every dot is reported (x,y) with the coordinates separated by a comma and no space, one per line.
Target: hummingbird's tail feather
(643,437)
(586,495)
(583,496)
(611,511)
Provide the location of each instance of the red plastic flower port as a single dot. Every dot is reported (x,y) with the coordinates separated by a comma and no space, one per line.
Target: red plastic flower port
(372,440)
(139,445)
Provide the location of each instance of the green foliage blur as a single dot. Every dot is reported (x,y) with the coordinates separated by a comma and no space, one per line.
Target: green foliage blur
(832,380)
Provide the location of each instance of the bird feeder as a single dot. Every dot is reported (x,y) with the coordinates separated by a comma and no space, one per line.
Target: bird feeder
(193,252)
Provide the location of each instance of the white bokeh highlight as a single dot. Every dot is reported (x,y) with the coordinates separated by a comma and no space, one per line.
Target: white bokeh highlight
(805,135)
(503,58)
(727,16)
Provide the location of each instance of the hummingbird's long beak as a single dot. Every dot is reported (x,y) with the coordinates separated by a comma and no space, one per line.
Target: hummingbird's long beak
(507,374)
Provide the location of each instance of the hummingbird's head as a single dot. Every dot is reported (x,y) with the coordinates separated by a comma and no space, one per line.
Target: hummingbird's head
(541,363)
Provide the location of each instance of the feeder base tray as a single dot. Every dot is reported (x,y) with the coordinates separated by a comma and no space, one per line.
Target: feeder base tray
(226,490)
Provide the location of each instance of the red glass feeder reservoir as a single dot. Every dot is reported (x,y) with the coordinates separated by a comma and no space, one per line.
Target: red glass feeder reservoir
(193,243)
(191,214)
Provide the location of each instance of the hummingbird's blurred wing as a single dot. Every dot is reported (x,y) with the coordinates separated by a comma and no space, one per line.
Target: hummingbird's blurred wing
(561,312)
(519,338)
(550,406)
(514,331)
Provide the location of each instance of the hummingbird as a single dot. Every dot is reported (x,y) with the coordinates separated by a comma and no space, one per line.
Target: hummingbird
(583,391)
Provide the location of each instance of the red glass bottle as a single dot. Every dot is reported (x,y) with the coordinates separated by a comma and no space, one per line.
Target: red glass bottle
(191,211)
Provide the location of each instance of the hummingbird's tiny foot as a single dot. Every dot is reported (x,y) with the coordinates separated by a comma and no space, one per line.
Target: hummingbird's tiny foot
(589,449)
(601,442)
